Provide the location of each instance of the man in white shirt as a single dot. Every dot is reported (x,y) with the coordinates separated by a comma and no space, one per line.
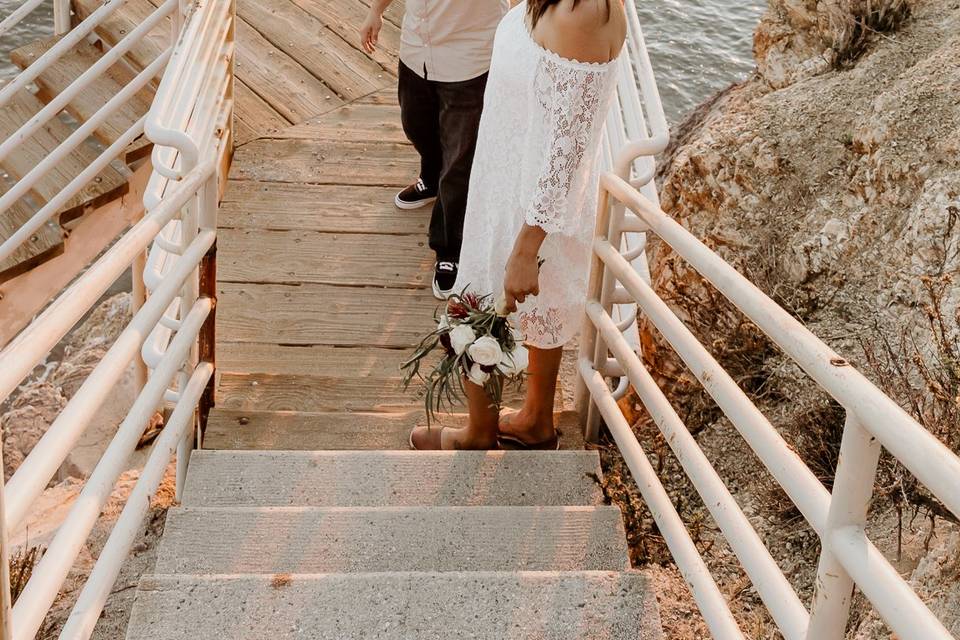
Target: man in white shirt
(445,48)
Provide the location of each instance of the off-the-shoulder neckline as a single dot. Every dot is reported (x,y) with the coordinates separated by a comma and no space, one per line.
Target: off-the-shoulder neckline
(556,57)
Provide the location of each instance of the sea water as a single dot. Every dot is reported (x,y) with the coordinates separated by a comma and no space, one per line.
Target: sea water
(697,47)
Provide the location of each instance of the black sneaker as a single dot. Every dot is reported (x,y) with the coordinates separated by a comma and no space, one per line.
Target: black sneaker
(415,196)
(444,279)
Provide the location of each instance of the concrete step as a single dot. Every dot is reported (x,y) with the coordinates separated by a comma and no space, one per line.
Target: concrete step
(359,539)
(392,478)
(398,606)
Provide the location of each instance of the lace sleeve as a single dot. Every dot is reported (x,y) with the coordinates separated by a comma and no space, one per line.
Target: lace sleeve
(571,97)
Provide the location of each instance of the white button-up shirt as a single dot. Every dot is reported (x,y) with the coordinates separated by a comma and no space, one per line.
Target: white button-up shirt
(450,40)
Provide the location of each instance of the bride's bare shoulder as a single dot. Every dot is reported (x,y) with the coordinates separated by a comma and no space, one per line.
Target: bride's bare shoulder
(588,30)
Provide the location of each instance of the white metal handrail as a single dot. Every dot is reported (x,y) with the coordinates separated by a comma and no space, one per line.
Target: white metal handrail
(85,130)
(848,557)
(61,15)
(190,203)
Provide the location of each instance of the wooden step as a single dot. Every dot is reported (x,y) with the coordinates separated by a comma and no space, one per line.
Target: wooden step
(311,378)
(58,76)
(126,18)
(375,539)
(363,260)
(45,243)
(310,314)
(392,478)
(537,605)
(109,184)
(251,204)
(327,162)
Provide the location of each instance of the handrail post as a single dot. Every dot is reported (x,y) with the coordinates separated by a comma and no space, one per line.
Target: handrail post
(189,228)
(61,17)
(590,343)
(852,491)
(6,604)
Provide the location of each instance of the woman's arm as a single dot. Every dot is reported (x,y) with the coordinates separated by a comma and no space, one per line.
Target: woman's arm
(576,98)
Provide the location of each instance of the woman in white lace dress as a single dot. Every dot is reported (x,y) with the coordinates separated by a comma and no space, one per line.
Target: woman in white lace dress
(532,196)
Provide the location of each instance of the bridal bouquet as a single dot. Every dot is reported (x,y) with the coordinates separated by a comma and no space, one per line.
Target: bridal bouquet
(478,344)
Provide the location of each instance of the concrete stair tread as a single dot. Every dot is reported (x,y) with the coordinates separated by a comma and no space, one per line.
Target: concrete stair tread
(393,478)
(358,539)
(345,430)
(388,606)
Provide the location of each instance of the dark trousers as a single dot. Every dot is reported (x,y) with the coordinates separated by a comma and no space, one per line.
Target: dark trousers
(441,120)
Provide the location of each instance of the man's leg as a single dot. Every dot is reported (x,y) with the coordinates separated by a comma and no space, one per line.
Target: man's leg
(461,104)
(420,117)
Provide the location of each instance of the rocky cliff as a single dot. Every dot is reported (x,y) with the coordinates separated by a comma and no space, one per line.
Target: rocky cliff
(831,177)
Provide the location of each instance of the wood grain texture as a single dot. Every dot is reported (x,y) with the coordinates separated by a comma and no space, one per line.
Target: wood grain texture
(58,76)
(45,243)
(321,162)
(308,431)
(278,79)
(307,40)
(323,314)
(248,255)
(252,116)
(22,106)
(250,204)
(366,123)
(124,20)
(344,18)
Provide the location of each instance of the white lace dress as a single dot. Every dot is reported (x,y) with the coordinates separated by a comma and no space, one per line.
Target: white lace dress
(536,162)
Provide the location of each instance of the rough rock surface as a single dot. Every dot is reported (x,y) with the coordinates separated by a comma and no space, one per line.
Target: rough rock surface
(30,411)
(831,178)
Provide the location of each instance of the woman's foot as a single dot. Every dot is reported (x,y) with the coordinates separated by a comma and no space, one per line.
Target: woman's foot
(448,439)
(520,430)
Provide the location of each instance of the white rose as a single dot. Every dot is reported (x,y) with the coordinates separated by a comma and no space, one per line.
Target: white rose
(444,323)
(477,375)
(486,351)
(461,337)
(515,362)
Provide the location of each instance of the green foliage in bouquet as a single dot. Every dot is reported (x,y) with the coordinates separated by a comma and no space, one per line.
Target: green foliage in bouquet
(477,343)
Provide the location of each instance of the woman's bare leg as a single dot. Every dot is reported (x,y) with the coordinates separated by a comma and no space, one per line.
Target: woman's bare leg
(534,422)
(480,432)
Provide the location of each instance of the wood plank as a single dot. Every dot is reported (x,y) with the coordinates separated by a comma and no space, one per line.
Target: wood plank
(278,79)
(312,393)
(294,430)
(312,377)
(44,244)
(252,116)
(365,361)
(320,162)
(384,96)
(369,123)
(344,18)
(24,296)
(124,20)
(307,40)
(323,314)
(22,106)
(250,255)
(56,78)
(248,204)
